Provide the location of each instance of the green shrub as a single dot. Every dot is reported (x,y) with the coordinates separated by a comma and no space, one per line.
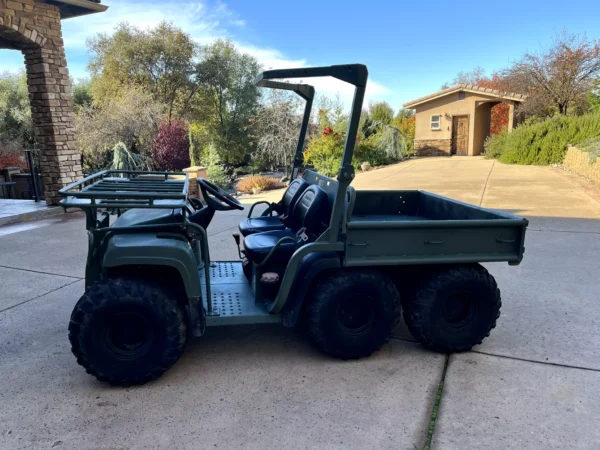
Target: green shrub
(125,159)
(215,171)
(592,146)
(325,153)
(544,142)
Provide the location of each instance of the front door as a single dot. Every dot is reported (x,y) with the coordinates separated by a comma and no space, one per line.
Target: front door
(460,135)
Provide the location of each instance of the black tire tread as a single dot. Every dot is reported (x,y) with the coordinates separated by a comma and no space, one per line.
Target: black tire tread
(325,289)
(416,309)
(112,290)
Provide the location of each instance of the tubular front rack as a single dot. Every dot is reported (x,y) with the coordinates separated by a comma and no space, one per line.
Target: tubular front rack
(127,189)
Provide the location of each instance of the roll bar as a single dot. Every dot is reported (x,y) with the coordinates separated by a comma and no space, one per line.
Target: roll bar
(357,75)
(305,91)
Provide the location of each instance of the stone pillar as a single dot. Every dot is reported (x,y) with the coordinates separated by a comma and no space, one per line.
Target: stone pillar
(195,172)
(34,28)
(51,97)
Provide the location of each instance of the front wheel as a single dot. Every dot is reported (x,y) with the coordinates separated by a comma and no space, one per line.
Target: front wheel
(353,313)
(127,332)
(453,309)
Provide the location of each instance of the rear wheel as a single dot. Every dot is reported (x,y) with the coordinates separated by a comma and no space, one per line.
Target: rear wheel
(453,309)
(353,313)
(127,332)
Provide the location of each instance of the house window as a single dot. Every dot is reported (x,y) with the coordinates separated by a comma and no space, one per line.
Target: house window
(461,95)
(436,122)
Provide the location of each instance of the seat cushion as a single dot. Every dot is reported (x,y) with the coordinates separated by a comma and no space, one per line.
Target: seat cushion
(259,224)
(141,216)
(259,245)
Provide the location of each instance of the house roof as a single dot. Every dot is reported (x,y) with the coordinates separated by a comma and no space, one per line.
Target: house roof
(75,8)
(466,88)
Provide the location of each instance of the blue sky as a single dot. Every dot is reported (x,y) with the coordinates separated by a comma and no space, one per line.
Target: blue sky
(411,48)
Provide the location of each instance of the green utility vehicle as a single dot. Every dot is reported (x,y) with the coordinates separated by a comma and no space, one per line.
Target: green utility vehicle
(341,263)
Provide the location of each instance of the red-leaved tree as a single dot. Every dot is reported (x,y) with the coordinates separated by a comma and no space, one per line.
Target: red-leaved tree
(171,147)
(477,77)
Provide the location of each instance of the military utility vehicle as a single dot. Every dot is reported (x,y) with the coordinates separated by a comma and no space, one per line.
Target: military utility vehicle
(344,264)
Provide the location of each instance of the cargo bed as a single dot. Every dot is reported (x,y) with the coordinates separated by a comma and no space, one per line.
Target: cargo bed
(418,227)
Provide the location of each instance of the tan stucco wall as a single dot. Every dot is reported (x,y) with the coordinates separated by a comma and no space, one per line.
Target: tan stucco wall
(448,107)
(579,162)
(481,129)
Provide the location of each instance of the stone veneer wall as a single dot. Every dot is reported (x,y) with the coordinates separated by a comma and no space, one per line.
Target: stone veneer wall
(433,147)
(34,28)
(579,162)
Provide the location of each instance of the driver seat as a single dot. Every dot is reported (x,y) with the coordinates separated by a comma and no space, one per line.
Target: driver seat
(285,207)
(309,217)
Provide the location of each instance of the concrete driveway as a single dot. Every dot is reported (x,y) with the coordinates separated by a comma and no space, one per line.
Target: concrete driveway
(534,383)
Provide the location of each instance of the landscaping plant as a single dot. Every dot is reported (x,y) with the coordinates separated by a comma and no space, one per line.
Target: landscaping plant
(171,147)
(258,181)
(544,142)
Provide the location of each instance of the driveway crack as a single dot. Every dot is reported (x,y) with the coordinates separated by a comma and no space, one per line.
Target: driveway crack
(436,406)
(38,296)
(39,271)
(486,182)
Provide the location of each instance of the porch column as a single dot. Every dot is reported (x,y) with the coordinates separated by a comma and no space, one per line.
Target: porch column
(511,116)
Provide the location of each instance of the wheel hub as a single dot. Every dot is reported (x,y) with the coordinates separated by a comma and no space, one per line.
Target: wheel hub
(459,310)
(355,312)
(128,334)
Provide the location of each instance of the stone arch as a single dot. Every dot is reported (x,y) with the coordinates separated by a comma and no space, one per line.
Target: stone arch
(33,27)
(20,32)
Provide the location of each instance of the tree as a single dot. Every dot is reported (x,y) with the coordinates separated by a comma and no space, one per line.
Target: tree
(477,77)
(560,77)
(594,96)
(82,94)
(405,122)
(132,118)
(171,147)
(230,98)
(381,112)
(159,61)
(124,159)
(16,125)
(277,125)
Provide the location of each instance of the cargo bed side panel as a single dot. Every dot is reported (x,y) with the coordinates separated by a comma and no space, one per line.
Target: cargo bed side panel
(434,242)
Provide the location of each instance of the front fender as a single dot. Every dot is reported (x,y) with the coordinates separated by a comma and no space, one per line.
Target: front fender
(139,249)
(311,266)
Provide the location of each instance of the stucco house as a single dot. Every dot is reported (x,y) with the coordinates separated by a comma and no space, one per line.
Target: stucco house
(456,120)
(33,27)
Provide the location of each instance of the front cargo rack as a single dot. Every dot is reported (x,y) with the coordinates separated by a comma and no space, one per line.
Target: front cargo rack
(127,189)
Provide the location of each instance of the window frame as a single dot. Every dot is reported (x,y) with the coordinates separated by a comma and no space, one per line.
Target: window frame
(439,122)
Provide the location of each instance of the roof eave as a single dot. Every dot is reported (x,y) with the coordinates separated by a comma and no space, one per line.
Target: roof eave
(466,88)
(76,8)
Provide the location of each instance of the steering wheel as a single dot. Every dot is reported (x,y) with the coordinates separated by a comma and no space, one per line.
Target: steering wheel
(216,198)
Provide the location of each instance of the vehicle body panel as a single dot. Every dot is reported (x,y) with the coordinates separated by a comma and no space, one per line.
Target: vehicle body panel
(152,250)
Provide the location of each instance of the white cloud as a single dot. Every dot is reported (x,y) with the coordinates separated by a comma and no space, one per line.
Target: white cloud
(274,59)
(204,21)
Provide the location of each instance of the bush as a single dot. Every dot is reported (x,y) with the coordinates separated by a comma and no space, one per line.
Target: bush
(258,181)
(171,147)
(592,146)
(124,159)
(543,142)
(133,118)
(215,171)
(325,153)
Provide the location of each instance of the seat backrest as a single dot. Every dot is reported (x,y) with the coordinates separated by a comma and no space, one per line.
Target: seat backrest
(292,194)
(310,211)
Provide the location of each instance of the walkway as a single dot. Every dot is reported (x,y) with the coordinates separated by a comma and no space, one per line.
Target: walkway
(534,383)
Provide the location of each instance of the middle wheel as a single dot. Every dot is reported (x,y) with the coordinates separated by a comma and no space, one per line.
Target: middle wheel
(352,313)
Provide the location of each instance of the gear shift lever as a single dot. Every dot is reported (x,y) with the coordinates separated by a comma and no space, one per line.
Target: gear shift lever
(236,236)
